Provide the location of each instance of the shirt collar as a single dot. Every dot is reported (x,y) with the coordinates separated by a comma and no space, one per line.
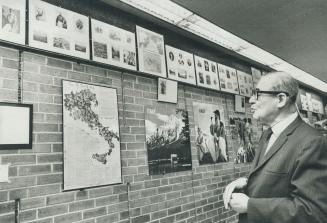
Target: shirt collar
(280,126)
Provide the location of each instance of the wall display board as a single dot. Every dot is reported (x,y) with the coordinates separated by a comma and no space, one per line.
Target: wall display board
(210,133)
(167,90)
(150,49)
(245,83)
(167,140)
(317,106)
(91,136)
(58,30)
(113,45)
(228,79)
(180,65)
(13,21)
(16,126)
(242,135)
(256,75)
(206,73)
(304,102)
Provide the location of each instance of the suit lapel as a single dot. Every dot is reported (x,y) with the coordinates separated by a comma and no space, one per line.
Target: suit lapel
(280,141)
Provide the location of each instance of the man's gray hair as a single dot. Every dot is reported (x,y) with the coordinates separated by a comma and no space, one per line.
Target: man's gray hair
(282,81)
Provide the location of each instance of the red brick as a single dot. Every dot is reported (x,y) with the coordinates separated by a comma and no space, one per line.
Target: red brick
(50,158)
(52,210)
(44,190)
(27,215)
(60,198)
(32,170)
(94,212)
(59,63)
(31,203)
(68,218)
(81,205)
(19,159)
(49,179)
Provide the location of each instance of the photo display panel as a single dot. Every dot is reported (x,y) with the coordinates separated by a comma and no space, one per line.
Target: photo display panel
(113,45)
(228,79)
(245,83)
(150,46)
(180,65)
(206,73)
(13,21)
(58,30)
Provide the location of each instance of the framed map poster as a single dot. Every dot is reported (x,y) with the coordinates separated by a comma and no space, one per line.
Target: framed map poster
(256,75)
(91,136)
(245,83)
(228,79)
(58,30)
(13,21)
(206,73)
(113,45)
(210,134)
(150,46)
(180,65)
(167,90)
(167,140)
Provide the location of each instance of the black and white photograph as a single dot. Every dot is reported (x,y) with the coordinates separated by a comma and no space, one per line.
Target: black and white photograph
(12,26)
(151,52)
(167,90)
(120,45)
(245,83)
(228,79)
(167,140)
(181,63)
(58,30)
(100,50)
(206,75)
(211,144)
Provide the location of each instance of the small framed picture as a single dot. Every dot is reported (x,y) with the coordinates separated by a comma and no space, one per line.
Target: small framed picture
(240,103)
(16,125)
(167,90)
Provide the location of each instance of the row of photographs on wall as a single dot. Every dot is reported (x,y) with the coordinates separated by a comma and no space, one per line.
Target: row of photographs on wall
(310,102)
(63,31)
(91,137)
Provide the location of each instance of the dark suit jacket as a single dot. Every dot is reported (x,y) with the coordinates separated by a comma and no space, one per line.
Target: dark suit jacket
(289,185)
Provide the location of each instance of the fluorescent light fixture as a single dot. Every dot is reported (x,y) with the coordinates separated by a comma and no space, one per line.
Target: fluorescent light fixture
(173,13)
(163,9)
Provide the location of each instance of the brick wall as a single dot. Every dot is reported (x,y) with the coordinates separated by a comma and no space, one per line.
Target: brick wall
(36,175)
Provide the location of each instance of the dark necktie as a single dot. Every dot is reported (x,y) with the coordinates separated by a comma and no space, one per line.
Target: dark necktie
(265,143)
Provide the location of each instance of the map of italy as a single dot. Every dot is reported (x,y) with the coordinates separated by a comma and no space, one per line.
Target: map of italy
(79,105)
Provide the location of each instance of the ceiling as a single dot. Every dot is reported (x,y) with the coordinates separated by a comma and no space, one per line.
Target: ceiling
(294,30)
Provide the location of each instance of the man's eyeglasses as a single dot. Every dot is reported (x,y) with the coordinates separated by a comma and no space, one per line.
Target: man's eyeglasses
(256,93)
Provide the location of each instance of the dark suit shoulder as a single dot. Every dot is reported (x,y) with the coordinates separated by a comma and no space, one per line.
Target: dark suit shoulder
(307,131)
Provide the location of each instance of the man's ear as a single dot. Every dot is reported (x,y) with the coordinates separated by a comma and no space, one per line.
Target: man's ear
(282,100)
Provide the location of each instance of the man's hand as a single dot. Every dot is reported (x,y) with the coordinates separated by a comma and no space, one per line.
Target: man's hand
(239,202)
(236,184)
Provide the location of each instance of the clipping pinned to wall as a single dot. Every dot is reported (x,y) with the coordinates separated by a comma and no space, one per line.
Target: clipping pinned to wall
(167,90)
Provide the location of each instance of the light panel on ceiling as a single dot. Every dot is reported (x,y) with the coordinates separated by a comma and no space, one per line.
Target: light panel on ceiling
(175,14)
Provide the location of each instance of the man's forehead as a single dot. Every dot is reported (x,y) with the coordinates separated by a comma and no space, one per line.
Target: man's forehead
(265,83)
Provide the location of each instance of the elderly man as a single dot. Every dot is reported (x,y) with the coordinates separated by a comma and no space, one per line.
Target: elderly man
(288,178)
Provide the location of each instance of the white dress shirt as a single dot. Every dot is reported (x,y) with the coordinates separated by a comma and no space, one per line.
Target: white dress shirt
(279,127)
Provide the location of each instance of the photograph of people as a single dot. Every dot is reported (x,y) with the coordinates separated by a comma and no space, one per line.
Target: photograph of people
(217,130)
(287,180)
(210,133)
(10,20)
